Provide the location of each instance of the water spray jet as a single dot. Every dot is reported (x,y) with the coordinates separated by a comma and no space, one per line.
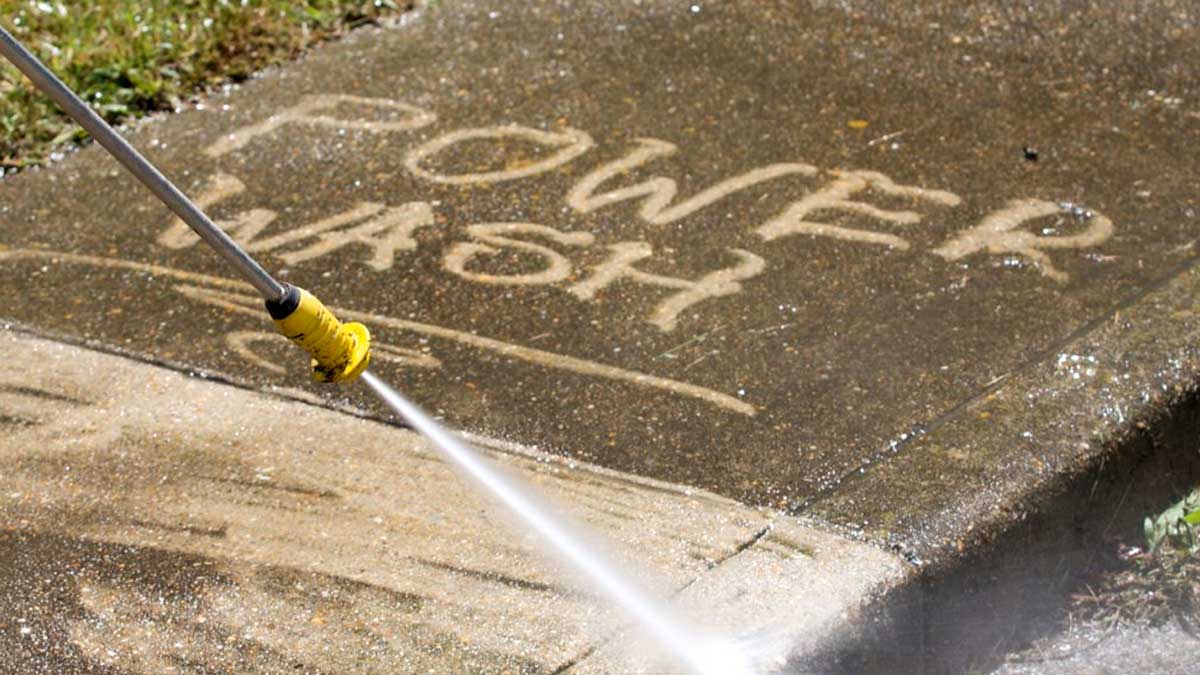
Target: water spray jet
(340,352)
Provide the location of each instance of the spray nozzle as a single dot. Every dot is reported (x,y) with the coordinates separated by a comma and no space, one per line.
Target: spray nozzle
(340,351)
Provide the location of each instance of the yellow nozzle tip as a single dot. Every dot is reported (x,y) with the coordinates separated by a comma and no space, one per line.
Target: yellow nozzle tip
(340,351)
(357,358)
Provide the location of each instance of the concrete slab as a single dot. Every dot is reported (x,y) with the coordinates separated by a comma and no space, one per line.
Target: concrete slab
(916,271)
(745,246)
(152,522)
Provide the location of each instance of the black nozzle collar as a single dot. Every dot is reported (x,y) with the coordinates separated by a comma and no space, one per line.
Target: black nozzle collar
(284,306)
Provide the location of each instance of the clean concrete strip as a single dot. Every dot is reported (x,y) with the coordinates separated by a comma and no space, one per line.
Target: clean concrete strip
(149,519)
(783,598)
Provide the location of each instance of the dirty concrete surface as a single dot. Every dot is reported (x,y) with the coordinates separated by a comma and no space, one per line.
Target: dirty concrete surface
(900,268)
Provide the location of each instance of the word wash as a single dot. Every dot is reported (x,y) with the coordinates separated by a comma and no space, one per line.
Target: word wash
(384,230)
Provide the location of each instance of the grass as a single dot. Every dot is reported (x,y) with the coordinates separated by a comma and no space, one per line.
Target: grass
(129,58)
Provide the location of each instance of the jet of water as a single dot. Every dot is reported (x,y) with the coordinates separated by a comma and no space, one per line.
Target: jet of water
(691,649)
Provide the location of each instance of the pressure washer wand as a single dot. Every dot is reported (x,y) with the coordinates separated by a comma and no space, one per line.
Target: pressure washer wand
(340,352)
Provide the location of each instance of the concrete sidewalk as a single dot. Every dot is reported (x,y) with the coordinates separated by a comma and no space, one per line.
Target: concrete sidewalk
(924,274)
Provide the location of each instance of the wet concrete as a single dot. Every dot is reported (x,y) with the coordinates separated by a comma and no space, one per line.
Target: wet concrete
(925,348)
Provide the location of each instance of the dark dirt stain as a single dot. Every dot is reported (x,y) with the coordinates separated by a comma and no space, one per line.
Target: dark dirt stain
(214,532)
(41,394)
(789,544)
(311,588)
(496,577)
(17,421)
(316,493)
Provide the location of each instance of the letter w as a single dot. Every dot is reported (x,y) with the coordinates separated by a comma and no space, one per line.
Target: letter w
(660,191)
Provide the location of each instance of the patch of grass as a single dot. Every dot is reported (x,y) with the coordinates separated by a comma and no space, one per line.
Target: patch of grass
(132,57)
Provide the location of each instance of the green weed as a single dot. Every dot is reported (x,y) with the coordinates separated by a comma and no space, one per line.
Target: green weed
(1179,525)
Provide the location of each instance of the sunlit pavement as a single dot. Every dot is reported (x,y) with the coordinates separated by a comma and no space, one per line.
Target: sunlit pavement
(918,282)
